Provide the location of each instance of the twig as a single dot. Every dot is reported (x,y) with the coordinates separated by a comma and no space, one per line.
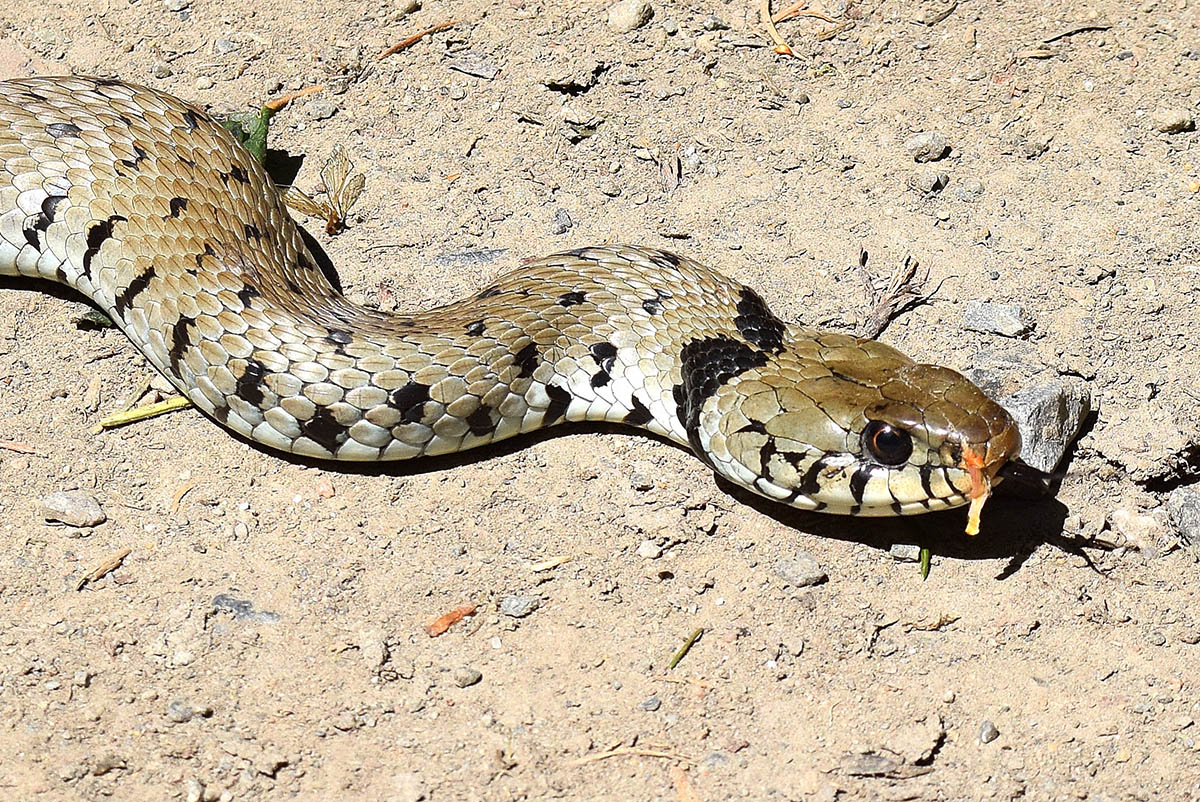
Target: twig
(1095,26)
(180,493)
(553,562)
(682,651)
(700,683)
(148,411)
(934,19)
(797,10)
(416,37)
(901,293)
(444,622)
(630,751)
(111,564)
(279,102)
(20,448)
(781,47)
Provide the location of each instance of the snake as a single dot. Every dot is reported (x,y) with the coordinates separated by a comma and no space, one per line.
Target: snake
(156,213)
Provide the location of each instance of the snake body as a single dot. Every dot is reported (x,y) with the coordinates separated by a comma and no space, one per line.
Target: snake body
(153,211)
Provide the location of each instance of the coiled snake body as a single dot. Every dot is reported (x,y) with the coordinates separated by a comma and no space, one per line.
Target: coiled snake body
(154,212)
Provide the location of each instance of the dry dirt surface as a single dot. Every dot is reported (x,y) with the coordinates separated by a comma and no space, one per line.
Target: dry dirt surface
(264,637)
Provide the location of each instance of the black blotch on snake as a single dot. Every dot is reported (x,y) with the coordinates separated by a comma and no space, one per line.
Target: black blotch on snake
(757,324)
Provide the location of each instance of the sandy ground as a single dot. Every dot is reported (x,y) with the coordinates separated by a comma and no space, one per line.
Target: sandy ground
(1029,665)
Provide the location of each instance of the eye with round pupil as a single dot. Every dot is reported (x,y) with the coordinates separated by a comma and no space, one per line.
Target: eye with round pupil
(886,444)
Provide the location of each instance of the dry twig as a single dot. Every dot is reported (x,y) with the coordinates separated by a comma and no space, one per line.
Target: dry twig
(901,293)
(279,102)
(444,622)
(630,751)
(416,37)
(111,564)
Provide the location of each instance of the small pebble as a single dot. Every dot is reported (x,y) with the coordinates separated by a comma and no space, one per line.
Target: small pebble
(562,222)
(928,146)
(651,704)
(177,5)
(928,181)
(1183,513)
(714,23)
(629,15)
(610,188)
(988,732)
(161,69)
(73,509)
(320,110)
(466,676)
(802,571)
(519,606)
(193,790)
(180,712)
(968,190)
(1136,531)
(1008,320)
(649,550)
(905,552)
(205,82)
(1173,121)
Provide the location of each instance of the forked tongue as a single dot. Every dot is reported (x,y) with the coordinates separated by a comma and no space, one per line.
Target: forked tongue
(981,488)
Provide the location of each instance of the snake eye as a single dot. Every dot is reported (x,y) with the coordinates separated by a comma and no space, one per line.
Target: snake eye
(886,444)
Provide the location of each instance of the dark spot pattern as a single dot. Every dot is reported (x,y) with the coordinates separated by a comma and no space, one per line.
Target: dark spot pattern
(706,366)
(96,237)
(179,340)
(339,337)
(246,293)
(571,298)
(49,211)
(926,472)
(475,329)
(757,324)
(811,483)
(668,259)
(177,206)
(252,231)
(527,360)
(858,482)
(654,305)
(31,236)
(57,130)
(605,355)
(239,174)
(560,399)
(139,156)
(139,283)
(490,292)
(410,400)
(480,421)
(640,415)
(291,285)
(249,384)
(191,119)
(324,430)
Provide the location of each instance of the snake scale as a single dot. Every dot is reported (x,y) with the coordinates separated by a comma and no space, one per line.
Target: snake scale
(153,211)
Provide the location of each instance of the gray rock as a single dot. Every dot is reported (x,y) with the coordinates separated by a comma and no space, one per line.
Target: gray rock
(714,23)
(161,69)
(1049,417)
(927,146)
(801,571)
(629,15)
(562,222)
(519,606)
(1008,320)
(320,110)
(1183,513)
(905,552)
(243,610)
(649,550)
(651,704)
(1034,145)
(579,121)
(73,509)
(466,676)
(180,712)
(988,732)
(1173,121)
(969,190)
(928,181)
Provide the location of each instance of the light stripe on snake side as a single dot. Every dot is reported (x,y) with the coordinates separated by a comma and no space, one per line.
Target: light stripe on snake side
(153,211)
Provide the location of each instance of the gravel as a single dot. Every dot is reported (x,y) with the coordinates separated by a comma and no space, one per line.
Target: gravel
(629,15)
(73,509)
(519,606)
(801,570)
(649,550)
(1008,320)
(1183,513)
(927,146)
(928,182)
(651,704)
(988,732)
(466,676)
(1173,121)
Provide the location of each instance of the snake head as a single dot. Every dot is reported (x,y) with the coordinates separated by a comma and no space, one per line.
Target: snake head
(866,432)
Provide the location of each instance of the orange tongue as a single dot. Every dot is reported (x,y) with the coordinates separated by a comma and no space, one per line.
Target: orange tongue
(981,488)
